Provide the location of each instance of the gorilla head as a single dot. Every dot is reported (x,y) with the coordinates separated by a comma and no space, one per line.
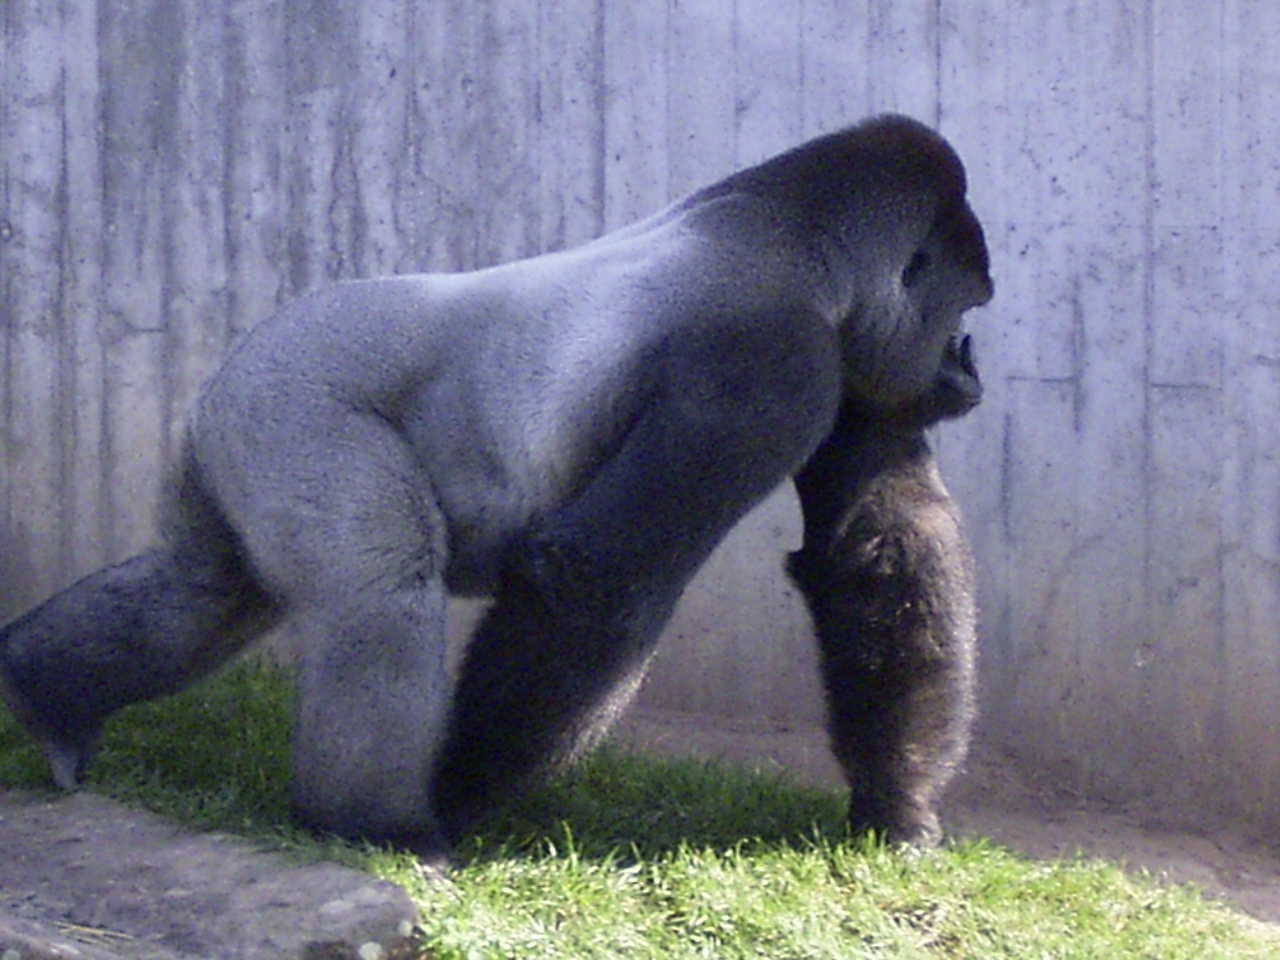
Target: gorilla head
(570,434)
(886,210)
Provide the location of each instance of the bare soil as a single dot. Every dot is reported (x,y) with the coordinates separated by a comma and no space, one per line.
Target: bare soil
(998,799)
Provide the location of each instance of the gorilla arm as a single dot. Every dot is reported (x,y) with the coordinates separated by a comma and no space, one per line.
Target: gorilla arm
(585,592)
(888,579)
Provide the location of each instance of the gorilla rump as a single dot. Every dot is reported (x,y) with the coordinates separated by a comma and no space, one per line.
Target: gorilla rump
(571,435)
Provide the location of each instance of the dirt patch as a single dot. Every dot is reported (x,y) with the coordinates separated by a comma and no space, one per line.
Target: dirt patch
(994,798)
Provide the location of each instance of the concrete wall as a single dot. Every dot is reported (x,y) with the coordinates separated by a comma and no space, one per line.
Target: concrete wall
(172,169)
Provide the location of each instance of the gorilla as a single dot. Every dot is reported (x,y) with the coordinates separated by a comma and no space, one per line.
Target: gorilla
(570,435)
(888,579)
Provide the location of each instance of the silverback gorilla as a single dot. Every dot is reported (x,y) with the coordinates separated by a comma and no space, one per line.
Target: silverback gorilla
(571,435)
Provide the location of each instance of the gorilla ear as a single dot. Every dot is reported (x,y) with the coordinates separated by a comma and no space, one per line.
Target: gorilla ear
(914,268)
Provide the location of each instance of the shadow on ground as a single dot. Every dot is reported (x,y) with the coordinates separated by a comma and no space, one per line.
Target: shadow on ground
(995,798)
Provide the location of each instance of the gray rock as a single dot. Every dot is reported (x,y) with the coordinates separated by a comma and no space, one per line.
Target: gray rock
(84,877)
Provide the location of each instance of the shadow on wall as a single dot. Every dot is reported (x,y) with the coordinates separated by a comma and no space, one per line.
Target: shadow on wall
(739,644)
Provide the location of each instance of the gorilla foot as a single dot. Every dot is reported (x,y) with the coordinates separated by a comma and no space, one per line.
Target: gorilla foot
(426,842)
(68,753)
(917,828)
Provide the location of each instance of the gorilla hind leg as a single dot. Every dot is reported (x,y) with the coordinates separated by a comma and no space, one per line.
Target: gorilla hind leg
(135,631)
(342,521)
(372,694)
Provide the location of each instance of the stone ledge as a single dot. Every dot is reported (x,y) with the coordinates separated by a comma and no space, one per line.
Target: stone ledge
(84,877)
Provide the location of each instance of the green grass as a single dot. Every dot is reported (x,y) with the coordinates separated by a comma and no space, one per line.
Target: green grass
(631,857)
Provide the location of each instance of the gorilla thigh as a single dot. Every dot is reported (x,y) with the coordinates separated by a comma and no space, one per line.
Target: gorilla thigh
(341,524)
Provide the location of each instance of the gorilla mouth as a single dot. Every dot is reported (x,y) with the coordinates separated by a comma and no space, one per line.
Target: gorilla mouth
(959,351)
(959,386)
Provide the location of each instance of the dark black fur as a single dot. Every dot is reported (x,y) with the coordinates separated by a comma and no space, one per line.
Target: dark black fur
(888,578)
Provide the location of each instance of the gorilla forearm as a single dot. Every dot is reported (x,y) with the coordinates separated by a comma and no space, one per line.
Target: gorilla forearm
(584,593)
(555,660)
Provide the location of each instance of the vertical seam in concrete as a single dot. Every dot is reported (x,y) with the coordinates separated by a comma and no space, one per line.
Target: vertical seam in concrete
(231,120)
(1221,709)
(868,46)
(600,173)
(1148,303)
(6,299)
(107,446)
(937,64)
(67,429)
(1078,346)
(733,72)
(405,174)
(1004,631)
(801,94)
(170,168)
(535,233)
(666,95)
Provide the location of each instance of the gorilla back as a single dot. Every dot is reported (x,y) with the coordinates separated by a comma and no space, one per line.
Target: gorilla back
(570,434)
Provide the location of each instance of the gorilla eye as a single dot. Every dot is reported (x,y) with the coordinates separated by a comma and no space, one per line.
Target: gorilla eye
(915,267)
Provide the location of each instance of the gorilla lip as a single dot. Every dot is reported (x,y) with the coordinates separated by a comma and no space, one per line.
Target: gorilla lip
(961,346)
